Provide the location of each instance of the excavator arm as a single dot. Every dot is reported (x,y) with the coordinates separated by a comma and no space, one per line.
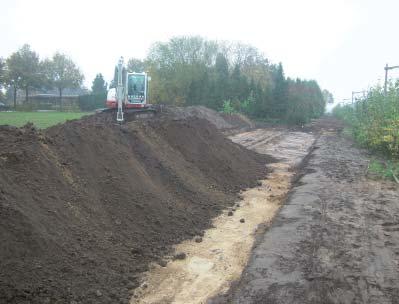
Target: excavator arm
(120,90)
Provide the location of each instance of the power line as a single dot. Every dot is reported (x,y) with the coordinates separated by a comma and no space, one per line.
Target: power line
(357,92)
(387,68)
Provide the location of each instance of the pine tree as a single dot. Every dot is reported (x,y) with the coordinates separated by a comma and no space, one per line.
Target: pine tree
(99,85)
(280,93)
(221,80)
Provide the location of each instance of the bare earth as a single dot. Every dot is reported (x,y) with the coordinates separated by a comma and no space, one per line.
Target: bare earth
(211,265)
(336,240)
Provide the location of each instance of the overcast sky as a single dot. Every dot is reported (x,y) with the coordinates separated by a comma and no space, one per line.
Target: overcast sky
(344,45)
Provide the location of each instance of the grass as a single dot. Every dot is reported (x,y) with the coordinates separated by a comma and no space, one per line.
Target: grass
(386,170)
(41,120)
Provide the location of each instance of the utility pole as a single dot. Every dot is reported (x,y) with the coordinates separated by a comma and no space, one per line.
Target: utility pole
(356,92)
(386,68)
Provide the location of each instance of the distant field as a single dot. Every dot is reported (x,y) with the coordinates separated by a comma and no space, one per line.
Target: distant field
(41,120)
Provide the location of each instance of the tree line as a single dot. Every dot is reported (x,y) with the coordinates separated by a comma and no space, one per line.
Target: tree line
(24,71)
(230,77)
(225,76)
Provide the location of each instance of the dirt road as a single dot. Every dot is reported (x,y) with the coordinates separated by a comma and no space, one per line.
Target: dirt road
(336,240)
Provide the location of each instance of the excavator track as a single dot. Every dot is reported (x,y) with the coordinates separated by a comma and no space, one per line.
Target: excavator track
(133,114)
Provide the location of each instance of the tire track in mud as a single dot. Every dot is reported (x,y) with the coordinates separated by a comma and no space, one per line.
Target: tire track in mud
(331,242)
(211,265)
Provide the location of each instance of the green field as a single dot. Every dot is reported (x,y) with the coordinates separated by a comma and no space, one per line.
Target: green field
(41,120)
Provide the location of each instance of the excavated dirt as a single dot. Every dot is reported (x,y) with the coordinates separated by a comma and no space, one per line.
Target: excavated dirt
(229,123)
(210,115)
(86,206)
(218,260)
(239,121)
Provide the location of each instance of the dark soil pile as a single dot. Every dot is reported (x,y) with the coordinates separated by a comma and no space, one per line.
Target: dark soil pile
(87,205)
(239,121)
(210,115)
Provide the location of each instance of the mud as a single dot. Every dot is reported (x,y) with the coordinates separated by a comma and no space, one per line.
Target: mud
(87,206)
(336,240)
(211,265)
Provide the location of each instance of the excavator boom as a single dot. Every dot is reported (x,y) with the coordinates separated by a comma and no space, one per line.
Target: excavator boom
(120,91)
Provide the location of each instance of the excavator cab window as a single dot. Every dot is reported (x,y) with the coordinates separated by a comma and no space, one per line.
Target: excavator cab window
(136,88)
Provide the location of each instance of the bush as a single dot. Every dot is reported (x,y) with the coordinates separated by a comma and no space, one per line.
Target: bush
(228,107)
(375,120)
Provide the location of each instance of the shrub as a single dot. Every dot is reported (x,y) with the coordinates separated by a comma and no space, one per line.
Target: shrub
(228,107)
(375,120)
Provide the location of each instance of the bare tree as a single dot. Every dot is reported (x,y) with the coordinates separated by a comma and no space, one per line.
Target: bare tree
(24,71)
(62,73)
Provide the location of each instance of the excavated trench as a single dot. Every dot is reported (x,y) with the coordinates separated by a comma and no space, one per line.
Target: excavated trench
(218,260)
(335,240)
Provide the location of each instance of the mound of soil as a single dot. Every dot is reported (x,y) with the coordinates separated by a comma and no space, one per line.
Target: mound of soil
(239,121)
(210,115)
(222,121)
(87,205)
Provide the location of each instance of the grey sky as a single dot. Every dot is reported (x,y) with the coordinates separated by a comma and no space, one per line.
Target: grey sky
(344,45)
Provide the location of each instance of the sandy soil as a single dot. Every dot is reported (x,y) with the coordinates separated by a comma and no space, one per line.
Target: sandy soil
(211,265)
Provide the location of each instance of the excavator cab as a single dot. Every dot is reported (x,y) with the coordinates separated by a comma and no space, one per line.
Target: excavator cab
(137,88)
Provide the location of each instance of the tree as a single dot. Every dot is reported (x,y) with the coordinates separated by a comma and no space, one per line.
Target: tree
(63,73)
(280,93)
(24,71)
(328,96)
(2,78)
(305,101)
(136,65)
(178,69)
(13,76)
(239,87)
(2,72)
(99,86)
(222,80)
